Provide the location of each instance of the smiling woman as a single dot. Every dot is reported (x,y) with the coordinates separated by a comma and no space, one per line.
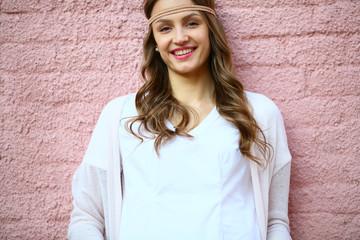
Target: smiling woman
(183,42)
(191,155)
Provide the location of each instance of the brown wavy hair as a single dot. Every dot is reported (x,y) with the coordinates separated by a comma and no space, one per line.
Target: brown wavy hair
(155,103)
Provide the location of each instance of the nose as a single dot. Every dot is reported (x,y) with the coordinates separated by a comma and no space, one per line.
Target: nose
(181,36)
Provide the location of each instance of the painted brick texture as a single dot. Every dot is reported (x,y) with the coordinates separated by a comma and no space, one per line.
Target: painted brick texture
(62,61)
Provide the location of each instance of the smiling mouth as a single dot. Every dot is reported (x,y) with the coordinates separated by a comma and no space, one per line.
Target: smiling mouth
(183,52)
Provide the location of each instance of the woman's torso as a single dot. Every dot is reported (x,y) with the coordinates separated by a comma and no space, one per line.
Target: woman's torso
(196,188)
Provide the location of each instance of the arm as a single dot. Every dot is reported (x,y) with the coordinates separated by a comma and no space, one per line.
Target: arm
(99,171)
(97,211)
(89,186)
(87,218)
(274,180)
(278,222)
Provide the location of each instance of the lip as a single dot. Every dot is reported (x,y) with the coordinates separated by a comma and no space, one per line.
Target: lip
(185,55)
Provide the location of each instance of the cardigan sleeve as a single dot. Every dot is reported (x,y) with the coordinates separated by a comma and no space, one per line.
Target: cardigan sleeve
(87,217)
(278,221)
(90,216)
(274,180)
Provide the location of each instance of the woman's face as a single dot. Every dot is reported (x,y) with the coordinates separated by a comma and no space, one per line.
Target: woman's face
(182,38)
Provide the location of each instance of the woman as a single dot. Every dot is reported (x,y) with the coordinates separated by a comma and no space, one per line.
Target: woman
(191,155)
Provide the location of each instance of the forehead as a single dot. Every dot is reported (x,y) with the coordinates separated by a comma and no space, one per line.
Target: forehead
(161,5)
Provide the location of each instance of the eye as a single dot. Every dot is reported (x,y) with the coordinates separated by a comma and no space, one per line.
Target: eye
(164,29)
(193,24)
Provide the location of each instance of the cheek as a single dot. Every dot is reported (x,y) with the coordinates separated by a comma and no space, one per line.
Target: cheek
(161,41)
(161,45)
(204,37)
(206,42)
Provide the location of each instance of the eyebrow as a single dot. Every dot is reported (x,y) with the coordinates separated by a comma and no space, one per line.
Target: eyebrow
(162,20)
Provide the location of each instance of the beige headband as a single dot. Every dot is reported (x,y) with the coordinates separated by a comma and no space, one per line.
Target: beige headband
(180,9)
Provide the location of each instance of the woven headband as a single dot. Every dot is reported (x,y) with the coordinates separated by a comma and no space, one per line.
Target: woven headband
(180,9)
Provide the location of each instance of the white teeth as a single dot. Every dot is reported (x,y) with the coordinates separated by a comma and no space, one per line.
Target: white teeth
(182,52)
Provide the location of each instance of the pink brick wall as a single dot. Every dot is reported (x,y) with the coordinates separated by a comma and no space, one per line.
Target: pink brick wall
(62,61)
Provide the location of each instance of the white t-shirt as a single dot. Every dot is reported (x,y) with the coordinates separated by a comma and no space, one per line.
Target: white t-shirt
(197,188)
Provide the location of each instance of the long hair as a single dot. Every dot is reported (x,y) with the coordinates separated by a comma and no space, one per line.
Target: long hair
(155,103)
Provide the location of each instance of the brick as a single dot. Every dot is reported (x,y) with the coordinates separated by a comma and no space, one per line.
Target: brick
(61,88)
(324,81)
(285,82)
(23,6)
(270,3)
(299,20)
(337,49)
(306,225)
(15,57)
(320,111)
(247,23)
(320,197)
(70,27)
(55,57)
(343,16)
(30,226)
(326,161)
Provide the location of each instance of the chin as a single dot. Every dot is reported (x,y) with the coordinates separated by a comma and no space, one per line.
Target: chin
(185,71)
(188,69)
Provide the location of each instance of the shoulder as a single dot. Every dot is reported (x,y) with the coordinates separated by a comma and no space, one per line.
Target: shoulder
(111,114)
(114,107)
(119,101)
(270,120)
(264,109)
(105,133)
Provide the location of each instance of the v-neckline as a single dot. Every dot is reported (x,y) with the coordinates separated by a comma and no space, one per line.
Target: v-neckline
(207,121)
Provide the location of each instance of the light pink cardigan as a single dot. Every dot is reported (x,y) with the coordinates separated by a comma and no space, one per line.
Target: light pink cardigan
(96,186)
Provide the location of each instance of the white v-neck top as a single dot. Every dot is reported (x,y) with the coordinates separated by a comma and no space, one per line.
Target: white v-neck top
(197,188)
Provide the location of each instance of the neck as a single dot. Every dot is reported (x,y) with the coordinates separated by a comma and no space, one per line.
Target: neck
(193,89)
